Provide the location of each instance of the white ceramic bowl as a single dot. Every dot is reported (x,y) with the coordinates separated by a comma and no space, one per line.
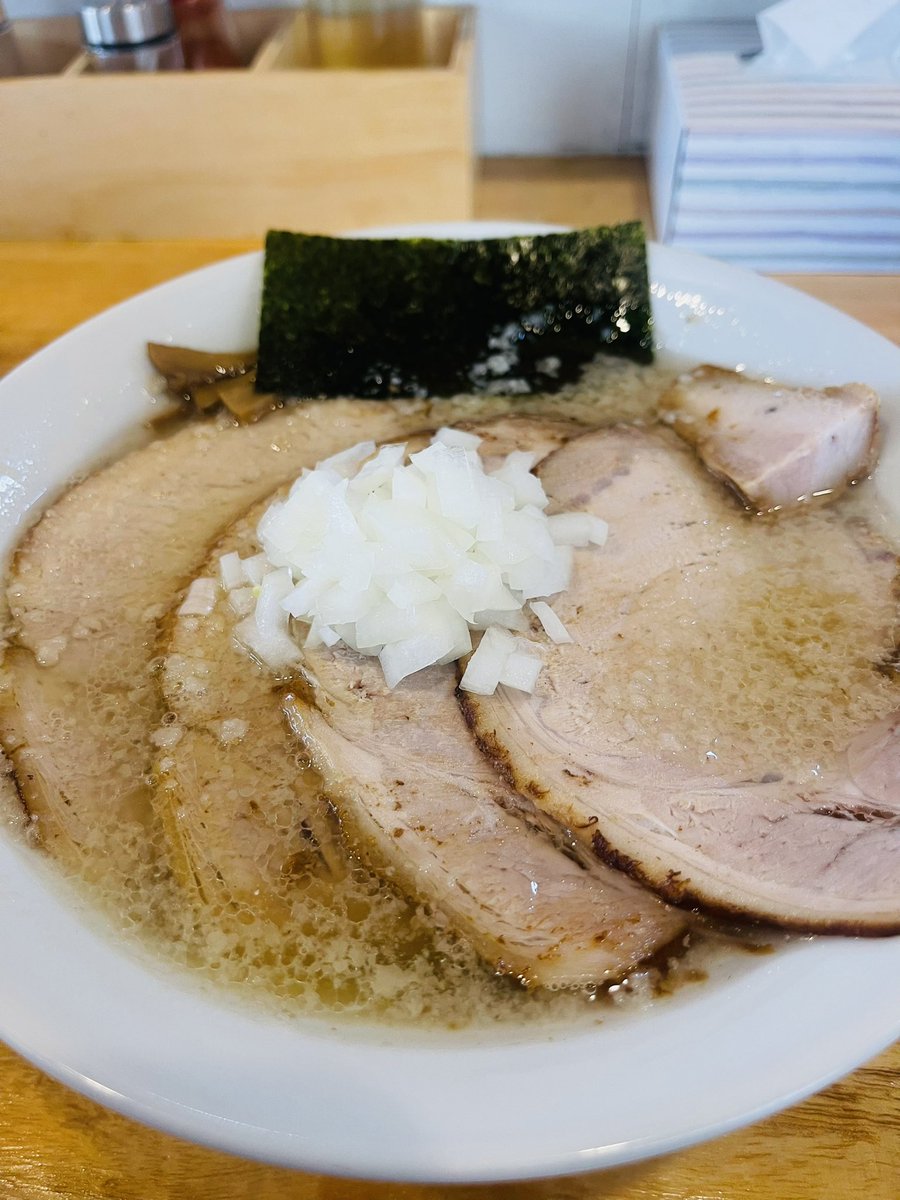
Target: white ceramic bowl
(146,1041)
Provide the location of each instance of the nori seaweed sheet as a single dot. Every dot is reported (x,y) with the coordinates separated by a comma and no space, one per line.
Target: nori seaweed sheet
(421,317)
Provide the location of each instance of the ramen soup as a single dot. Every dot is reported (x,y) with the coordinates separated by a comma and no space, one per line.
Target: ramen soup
(151,753)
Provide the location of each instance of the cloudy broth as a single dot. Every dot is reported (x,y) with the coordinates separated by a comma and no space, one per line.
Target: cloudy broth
(789,671)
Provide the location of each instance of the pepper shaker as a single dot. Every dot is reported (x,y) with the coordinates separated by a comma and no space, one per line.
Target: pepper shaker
(131,35)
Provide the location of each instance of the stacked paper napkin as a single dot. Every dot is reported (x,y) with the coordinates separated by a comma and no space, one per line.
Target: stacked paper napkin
(780,174)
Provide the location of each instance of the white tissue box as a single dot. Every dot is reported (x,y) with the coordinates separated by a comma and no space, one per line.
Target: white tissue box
(780,175)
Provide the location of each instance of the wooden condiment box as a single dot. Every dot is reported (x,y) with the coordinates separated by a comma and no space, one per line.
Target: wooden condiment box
(231,153)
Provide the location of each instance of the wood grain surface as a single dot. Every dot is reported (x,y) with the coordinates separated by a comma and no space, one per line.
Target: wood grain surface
(227,152)
(843,1144)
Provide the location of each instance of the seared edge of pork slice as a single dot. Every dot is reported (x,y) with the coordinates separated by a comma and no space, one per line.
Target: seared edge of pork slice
(817,857)
(777,446)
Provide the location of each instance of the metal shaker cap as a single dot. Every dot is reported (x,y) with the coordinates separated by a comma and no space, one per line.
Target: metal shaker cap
(126,22)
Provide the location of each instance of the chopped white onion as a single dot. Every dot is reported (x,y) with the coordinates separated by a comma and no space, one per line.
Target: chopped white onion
(536,577)
(413,588)
(516,472)
(200,599)
(484,668)
(271,617)
(278,650)
(487,617)
(457,437)
(408,486)
(552,625)
(320,635)
(230,571)
(435,637)
(504,659)
(254,568)
(378,470)
(401,557)
(577,529)
(242,600)
(521,670)
(346,461)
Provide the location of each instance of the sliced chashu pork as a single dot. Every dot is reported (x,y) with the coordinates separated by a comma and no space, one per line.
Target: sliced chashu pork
(776,445)
(814,845)
(231,798)
(95,575)
(241,816)
(420,801)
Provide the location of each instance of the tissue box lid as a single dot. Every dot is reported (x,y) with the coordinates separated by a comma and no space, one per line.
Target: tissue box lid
(793,175)
(716,96)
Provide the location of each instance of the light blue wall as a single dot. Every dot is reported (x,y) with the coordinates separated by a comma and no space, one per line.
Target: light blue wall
(555,76)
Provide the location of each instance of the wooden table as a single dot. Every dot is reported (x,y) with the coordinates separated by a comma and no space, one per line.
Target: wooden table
(54,1145)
